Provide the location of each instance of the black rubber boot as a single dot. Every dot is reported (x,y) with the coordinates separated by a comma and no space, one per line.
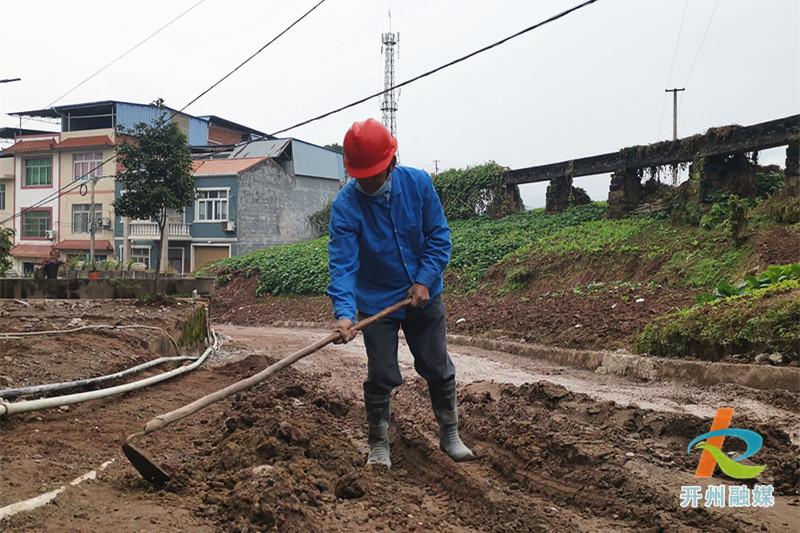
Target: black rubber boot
(378,415)
(443,399)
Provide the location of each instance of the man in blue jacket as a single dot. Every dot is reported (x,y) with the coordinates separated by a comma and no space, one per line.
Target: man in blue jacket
(389,240)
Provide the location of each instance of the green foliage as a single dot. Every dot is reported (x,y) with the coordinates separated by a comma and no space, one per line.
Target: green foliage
(736,222)
(6,242)
(781,210)
(336,147)
(156,171)
(718,212)
(476,191)
(773,275)
(482,242)
(769,180)
(321,219)
(763,320)
(300,268)
(592,237)
(193,329)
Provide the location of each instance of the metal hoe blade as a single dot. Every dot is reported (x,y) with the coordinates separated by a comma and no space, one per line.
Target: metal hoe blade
(147,468)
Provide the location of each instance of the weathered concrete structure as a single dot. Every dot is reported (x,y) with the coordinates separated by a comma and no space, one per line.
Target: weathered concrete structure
(274,206)
(626,165)
(792,183)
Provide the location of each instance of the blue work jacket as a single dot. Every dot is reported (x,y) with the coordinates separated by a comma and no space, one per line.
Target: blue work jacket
(380,245)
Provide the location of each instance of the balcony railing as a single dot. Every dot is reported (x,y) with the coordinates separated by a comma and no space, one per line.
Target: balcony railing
(149,230)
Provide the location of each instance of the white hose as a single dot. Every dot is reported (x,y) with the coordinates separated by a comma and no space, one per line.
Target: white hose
(7,408)
(52,387)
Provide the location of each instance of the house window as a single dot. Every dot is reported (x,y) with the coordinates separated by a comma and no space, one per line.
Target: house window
(36,224)
(87,165)
(141,255)
(2,196)
(80,217)
(211,205)
(38,172)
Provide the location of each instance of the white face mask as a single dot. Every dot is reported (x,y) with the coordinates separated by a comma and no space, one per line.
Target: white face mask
(384,189)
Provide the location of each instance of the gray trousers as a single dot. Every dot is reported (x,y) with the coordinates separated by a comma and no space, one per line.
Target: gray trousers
(425,331)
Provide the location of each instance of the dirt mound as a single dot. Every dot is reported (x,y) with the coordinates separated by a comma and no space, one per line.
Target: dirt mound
(601,316)
(38,359)
(779,245)
(593,318)
(289,456)
(236,303)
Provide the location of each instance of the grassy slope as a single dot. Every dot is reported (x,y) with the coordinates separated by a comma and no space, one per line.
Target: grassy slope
(550,253)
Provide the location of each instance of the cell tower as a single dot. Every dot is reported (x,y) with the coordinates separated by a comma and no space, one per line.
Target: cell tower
(390,46)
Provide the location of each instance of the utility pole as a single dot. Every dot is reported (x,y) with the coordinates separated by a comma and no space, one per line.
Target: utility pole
(436,166)
(674,127)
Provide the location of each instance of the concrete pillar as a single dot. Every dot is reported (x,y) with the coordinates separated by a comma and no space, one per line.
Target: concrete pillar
(625,193)
(558,194)
(791,185)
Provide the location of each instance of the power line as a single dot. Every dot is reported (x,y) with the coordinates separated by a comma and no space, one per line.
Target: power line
(677,42)
(702,41)
(243,63)
(672,66)
(77,182)
(353,104)
(128,51)
(442,67)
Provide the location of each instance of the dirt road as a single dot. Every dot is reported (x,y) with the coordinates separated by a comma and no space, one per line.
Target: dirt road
(559,450)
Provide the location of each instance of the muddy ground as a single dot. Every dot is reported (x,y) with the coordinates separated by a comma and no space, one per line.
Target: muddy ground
(592,317)
(31,360)
(559,449)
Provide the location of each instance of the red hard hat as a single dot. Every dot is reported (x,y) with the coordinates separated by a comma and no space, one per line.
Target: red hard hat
(368,148)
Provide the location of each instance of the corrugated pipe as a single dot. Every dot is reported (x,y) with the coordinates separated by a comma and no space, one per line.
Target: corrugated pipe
(52,387)
(7,408)
(19,334)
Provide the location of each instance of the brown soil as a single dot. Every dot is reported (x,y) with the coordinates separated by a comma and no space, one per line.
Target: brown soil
(602,317)
(288,456)
(595,320)
(779,245)
(44,359)
(284,458)
(236,303)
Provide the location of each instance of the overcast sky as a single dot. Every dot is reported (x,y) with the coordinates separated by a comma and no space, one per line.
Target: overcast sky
(589,83)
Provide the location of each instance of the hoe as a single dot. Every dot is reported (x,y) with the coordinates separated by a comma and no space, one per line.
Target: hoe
(155,474)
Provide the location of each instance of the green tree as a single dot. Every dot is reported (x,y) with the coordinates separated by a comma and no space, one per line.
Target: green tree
(336,147)
(155,172)
(6,242)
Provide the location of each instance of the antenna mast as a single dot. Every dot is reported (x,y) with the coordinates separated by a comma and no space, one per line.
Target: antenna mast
(390,45)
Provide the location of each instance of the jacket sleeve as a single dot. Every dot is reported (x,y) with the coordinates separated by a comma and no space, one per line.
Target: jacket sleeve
(436,253)
(342,264)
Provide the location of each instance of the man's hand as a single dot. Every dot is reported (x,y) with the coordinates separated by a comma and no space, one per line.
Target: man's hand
(345,329)
(419,295)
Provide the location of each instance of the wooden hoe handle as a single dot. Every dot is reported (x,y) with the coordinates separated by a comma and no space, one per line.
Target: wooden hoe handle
(201,403)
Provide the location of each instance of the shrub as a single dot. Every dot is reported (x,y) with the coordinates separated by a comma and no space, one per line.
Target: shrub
(320,220)
(476,191)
